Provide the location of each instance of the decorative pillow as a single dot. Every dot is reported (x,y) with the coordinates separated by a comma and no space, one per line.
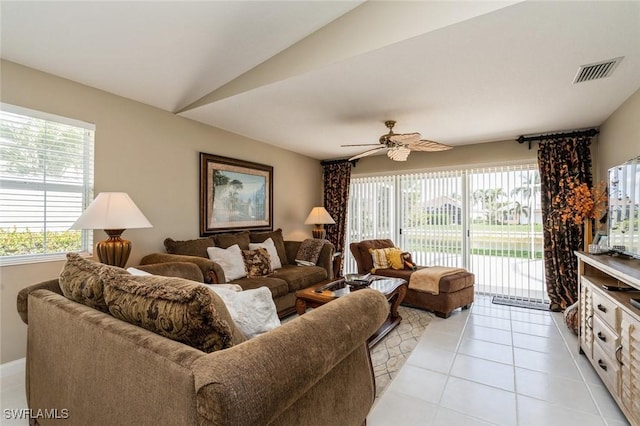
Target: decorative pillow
(134,271)
(230,260)
(379,258)
(175,308)
(271,249)
(196,247)
(278,241)
(257,262)
(228,240)
(395,258)
(230,287)
(309,251)
(80,281)
(253,311)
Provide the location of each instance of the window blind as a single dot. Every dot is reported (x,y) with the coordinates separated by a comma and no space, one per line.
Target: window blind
(487,220)
(46,181)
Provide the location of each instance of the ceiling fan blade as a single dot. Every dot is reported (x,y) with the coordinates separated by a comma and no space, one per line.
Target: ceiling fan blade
(369,152)
(399,153)
(363,144)
(426,145)
(405,138)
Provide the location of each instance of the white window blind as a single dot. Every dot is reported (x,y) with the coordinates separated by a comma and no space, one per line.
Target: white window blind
(46,181)
(486,220)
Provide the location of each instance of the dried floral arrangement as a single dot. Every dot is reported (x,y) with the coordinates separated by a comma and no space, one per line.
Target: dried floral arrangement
(579,202)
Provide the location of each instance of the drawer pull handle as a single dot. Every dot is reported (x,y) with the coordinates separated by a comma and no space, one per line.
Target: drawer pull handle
(602,308)
(602,365)
(601,336)
(618,357)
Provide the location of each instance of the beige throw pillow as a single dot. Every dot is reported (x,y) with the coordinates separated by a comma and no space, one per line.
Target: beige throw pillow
(230,260)
(379,258)
(253,311)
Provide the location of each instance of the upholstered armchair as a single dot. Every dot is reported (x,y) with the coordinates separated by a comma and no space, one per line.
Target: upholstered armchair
(454,291)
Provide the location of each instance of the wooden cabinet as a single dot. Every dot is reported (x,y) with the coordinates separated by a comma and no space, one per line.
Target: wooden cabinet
(630,370)
(609,332)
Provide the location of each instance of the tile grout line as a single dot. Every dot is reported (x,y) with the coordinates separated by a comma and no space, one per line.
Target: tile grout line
(584,379)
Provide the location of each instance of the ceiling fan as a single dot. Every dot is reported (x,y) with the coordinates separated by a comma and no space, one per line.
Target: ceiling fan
(399,145)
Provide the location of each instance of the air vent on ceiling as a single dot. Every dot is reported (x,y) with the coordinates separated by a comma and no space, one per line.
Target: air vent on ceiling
(596,71)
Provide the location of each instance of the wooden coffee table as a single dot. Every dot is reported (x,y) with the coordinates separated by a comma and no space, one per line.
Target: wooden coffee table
(394,289)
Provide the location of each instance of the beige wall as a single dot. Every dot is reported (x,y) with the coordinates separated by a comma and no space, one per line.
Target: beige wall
(154,156)
(619,138)
(484,154)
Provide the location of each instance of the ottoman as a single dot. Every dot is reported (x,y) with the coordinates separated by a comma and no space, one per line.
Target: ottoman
(455,291)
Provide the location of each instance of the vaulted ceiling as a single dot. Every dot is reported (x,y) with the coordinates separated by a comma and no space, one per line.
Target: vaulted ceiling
(310,76)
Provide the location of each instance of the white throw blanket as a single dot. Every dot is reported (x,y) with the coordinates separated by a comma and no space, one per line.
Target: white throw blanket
(428,279)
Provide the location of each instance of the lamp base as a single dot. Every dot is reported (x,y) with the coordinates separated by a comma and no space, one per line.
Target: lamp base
(115,251)
(319,232)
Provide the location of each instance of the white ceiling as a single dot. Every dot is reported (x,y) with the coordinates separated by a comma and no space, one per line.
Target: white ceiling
(310,76)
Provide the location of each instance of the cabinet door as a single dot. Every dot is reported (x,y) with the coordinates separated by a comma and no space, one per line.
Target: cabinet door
(586,318)
(630,369)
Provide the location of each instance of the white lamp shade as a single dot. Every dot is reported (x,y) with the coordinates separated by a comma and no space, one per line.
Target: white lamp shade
(112,210)
(319,216)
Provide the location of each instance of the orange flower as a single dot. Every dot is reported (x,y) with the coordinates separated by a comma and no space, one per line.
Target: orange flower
(577,202)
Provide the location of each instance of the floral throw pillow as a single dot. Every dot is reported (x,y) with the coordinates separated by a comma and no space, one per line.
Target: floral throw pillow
(269,245)
(257,262)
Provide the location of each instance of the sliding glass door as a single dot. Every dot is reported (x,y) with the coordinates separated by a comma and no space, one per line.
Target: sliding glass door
(505,232)
(431,217)
(486,220)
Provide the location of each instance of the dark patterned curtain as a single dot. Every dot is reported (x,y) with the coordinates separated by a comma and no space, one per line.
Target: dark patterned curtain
(560,159)
(336,176)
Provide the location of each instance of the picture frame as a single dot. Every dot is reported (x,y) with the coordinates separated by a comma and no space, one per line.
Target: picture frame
(235,195)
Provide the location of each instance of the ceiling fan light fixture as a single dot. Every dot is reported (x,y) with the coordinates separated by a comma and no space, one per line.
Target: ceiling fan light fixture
(399,145)
(399,153)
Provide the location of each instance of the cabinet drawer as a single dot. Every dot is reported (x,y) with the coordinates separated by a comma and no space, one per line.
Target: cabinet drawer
(606,309)
(608,369)
(605,337)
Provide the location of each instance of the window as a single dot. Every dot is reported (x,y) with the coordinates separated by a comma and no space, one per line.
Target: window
(487,220)
(46,181)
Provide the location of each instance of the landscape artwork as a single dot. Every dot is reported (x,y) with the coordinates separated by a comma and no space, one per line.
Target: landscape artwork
(235,195)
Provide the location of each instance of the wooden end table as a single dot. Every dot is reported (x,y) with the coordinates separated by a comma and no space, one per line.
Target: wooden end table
(394,289)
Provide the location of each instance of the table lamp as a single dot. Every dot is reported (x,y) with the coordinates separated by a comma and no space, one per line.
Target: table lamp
(319,217)
(114,212)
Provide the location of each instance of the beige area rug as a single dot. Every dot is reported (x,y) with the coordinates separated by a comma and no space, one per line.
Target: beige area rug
(390,354)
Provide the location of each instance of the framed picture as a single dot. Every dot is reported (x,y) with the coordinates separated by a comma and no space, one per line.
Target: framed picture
(235,195)
(600,239)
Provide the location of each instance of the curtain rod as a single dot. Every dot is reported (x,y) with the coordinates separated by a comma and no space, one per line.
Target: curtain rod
(589,132)
(344,160)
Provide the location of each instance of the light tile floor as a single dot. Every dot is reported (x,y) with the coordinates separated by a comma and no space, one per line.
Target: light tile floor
(492,364)
(496,365)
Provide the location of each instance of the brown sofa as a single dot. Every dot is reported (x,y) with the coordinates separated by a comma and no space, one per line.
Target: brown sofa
(455,291)
(283,283)
(95,369)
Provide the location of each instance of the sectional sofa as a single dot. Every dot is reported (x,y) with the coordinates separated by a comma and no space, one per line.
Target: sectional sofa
(94,355)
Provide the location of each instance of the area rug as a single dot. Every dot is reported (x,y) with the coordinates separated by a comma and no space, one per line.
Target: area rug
(390,354)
